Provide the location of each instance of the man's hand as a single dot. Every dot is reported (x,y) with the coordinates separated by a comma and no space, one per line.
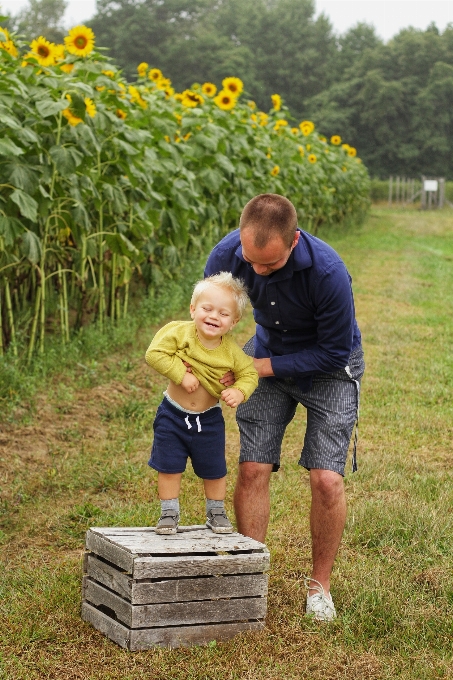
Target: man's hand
(190,382)
(228,379)
(264,367)
(232,397)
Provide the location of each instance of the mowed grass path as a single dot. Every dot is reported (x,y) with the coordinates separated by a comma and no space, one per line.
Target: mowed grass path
(81,461)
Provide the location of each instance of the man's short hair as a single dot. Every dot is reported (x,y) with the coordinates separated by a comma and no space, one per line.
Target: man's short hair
(269,215)
(227,281)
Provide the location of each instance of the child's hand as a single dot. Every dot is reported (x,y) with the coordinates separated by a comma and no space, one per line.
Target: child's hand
(190,382)
(232,397)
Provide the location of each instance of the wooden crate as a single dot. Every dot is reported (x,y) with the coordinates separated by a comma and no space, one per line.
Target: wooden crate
(145,590)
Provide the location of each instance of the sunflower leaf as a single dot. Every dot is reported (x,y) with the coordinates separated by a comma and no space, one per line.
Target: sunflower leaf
(49,107)
(27,205)
(63,159)
(8,148)
(31,246)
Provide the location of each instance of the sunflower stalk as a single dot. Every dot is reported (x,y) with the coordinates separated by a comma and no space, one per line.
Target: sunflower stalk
(9,311)
(61,305)
(1,328)
(113,287)
(31,346)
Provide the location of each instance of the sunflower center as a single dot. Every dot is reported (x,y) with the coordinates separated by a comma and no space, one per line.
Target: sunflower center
(81,42)
(43,51)
(233,88)
(225,100)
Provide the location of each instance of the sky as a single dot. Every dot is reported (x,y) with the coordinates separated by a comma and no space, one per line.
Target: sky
(388,16)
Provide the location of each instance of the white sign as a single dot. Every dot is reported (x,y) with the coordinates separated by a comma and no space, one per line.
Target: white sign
(430,184)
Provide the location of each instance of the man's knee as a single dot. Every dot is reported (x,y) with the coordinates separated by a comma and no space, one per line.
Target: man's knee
(254,475)
(326,484)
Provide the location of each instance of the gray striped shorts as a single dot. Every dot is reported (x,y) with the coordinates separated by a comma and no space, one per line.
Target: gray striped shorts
(332,406)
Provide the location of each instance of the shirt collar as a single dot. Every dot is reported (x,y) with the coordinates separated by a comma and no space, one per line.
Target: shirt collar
(299,259)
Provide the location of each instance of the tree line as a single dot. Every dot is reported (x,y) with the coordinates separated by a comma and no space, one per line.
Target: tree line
(393,101)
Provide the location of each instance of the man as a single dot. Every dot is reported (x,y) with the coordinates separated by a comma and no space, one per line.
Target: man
(307,349)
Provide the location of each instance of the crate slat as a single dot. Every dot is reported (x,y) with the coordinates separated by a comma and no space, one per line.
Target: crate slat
(176,613)
(176,590)
(212,565)
(177,636)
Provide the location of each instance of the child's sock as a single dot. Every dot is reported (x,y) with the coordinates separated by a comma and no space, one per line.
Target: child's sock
(171,504)
(210,505)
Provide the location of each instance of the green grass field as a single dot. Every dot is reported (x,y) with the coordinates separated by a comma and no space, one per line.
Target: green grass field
(79,460)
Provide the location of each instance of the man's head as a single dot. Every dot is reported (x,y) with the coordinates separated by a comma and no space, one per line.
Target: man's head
(268,232)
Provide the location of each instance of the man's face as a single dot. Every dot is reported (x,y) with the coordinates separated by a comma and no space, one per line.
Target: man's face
(269,259)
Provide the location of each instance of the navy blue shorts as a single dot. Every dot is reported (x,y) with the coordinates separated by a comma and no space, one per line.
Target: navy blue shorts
(179,435)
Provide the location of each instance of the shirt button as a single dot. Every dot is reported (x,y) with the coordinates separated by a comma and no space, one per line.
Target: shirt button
(272,303)
(277,322)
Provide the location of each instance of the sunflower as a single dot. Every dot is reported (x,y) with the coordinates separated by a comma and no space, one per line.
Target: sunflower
(163,84)
(59,52)
(190,99)
(8,44)
(308,147)
(322,139)
(208,89)
(43,51)
(80,41)
(295,131)
(233,85)
(275,170)
(307,127)
(312,158)
(225,100)
(68,68)
(276,102)
(121,114)
(352,152)
(136,97)
(155,74)
(90,107)
(72,120)
(336,140)
(301,150)
(345,147)
(279,124)
(263,118)
(108,74)
(187,136)
(142,69)
(251,104)
(178,97)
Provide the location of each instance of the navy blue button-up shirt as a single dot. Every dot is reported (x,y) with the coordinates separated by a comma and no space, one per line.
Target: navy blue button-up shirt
(304,312)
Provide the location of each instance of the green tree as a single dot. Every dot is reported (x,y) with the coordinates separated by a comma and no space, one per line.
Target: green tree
(42,17)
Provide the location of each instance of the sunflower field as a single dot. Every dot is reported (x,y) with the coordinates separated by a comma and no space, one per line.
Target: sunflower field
(105,183)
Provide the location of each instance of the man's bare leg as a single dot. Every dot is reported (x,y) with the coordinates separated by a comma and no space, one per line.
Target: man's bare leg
(327,520)
(251,499)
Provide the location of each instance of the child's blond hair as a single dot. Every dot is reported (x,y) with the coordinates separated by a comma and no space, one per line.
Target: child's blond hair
(229,282)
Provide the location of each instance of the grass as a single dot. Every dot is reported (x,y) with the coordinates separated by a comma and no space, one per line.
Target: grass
(79,459)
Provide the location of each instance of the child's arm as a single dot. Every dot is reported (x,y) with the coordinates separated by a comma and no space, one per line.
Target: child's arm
(246,379)
(161,355)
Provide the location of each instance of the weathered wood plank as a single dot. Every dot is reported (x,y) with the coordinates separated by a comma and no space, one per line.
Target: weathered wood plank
(176,590)
(109,551)
(178,613)
(177,546)
(177,636)
(111,628)
(173,566)
(146,541)
(112,531)
(110,576)
(186,636)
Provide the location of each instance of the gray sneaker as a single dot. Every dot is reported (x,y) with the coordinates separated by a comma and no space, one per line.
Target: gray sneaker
(218,521)
(168,522)
(320,605)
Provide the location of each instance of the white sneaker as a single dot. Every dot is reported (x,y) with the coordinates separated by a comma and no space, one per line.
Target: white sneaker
(319,605)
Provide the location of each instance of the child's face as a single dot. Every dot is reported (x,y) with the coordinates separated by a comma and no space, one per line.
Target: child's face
(215,313)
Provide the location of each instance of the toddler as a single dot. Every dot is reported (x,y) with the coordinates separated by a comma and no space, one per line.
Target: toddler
(194,355)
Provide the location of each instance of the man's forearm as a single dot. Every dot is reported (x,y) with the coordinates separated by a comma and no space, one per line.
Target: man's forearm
(263,367)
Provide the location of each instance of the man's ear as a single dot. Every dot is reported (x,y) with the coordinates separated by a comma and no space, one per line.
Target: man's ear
(296,239)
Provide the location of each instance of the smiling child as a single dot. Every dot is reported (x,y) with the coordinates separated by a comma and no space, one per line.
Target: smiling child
(189,423)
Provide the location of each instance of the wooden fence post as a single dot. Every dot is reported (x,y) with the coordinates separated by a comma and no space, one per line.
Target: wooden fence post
(390,189)
(423,193)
